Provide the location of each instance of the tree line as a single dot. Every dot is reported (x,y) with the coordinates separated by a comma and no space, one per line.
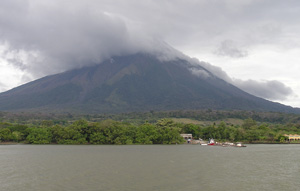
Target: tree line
(151,116)
(163,131)
(83,132)
(249,132)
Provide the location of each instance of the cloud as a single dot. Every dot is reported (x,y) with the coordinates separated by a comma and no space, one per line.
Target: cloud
(268,89)
(61,39)
(46,37)
(217,71)
(43,37)
(49,36)
(273,89)
(200,73)
(229,48)
(3,87)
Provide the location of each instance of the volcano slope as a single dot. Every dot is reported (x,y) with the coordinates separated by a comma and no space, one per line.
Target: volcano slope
(139,82)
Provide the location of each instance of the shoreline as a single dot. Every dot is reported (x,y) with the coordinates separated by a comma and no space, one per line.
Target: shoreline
(256,143)
(12,143)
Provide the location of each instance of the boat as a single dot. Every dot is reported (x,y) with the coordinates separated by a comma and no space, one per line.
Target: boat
(240,145)
(211,142)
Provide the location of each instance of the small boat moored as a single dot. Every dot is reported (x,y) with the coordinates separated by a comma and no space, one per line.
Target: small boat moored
(211,142)
(240,145)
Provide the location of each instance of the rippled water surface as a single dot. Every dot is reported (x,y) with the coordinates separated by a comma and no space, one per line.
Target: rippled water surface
(149,167)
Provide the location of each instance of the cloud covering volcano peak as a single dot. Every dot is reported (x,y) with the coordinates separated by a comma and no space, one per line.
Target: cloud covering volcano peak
(39,38)
(49,36)
(44,38)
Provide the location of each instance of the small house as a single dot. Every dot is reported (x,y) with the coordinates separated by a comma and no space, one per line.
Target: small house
(187,137)
(292,137)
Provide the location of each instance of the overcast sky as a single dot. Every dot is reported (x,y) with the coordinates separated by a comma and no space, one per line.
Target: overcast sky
(254,44)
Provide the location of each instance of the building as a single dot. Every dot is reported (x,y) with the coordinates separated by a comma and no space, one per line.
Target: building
(187,137)
(292,137)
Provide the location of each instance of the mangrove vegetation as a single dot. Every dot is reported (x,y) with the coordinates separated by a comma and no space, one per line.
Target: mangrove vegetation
(162,131)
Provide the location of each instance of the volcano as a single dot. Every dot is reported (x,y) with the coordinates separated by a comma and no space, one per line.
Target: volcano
(133,83)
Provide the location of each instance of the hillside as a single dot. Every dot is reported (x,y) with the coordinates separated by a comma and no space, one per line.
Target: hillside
(139,82)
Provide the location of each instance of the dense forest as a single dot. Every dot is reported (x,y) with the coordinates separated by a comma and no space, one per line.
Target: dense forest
(129,128)
(83,132)
(152,116)
(146,128)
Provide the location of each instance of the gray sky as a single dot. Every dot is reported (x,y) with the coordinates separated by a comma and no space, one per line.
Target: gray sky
(254,44)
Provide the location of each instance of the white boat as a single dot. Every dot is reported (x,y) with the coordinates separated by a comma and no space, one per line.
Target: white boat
(240,145)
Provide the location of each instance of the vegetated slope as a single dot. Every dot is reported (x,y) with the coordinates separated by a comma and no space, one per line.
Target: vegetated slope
(139,82)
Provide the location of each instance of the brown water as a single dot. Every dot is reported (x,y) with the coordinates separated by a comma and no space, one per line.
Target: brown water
(149,167)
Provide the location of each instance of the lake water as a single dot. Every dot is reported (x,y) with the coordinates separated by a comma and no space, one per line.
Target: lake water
(149,167)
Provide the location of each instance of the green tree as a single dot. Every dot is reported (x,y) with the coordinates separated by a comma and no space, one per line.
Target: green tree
(5,134)
(17,136)
(98,138)
(240,134)
(146,134)
(168,131)
(248,123)
(39,135)
(47,123)
(70,135)
(193,129)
